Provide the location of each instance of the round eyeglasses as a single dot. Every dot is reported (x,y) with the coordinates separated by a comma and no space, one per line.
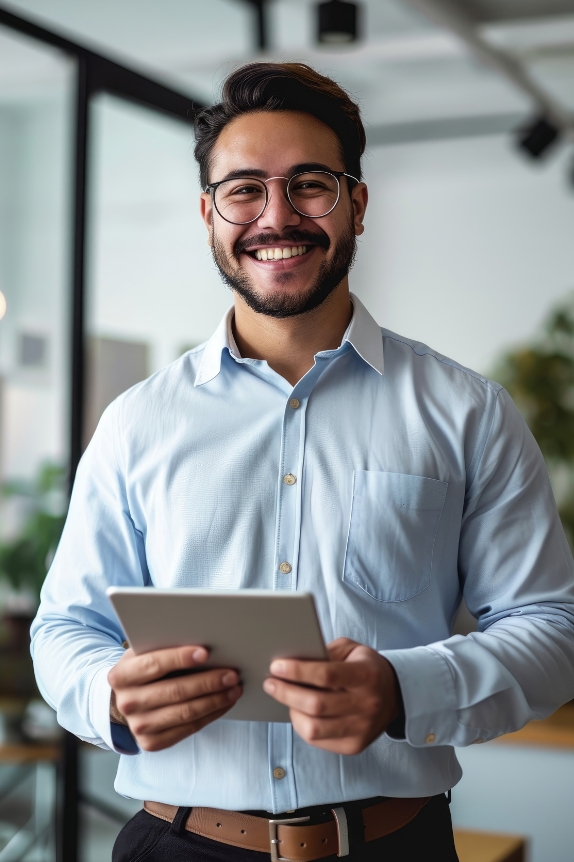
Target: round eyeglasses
(311,193)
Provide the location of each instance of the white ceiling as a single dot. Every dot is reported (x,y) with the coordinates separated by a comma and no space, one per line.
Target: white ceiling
(405,69)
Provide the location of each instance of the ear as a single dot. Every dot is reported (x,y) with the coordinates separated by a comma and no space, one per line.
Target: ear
(359,199)
(206,209)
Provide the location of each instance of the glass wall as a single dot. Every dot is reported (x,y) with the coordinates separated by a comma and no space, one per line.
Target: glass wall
(153,290)
(36,94)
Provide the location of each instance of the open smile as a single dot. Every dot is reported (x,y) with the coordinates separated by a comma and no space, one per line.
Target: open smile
(280,257)
(279,253)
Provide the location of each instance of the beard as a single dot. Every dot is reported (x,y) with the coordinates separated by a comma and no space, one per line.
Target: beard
(280,303)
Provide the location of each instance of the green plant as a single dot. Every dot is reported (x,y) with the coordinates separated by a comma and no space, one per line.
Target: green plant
(540,379)
(25,558)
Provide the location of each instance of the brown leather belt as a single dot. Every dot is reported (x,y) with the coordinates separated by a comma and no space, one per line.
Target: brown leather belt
(288,838)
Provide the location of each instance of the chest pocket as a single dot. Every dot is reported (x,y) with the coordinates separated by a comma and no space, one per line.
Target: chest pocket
(394,521)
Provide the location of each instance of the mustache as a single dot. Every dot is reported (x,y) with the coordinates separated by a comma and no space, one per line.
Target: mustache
(295,237)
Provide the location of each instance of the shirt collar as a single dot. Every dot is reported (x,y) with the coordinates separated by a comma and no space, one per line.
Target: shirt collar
(363,334)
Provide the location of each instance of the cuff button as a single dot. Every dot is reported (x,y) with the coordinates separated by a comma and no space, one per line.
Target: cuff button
(430,738)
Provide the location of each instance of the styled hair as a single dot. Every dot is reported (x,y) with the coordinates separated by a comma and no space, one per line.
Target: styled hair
(282,87)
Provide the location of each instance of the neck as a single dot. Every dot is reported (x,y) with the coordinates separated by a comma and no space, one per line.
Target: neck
(289,344)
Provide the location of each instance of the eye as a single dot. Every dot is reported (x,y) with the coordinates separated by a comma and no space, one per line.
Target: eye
(242,188)
(246,190)
(308,185)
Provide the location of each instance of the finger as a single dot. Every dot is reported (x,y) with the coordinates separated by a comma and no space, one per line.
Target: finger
(341,648)
(139,669)
(178,715)
(144,698)
(322,674)
(167,738)
(315,730)
(348,745)
(312,702)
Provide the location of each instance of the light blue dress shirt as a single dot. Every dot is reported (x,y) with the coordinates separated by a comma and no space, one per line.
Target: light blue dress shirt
(417,481)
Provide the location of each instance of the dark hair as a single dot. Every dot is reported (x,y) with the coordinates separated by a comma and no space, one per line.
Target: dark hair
(282,87)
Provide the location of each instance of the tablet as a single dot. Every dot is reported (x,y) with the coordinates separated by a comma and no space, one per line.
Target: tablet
(243,629)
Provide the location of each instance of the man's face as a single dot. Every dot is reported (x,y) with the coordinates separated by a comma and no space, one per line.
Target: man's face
(278,144)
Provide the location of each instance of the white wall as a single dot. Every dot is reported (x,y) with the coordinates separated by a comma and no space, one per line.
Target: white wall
(519,790)
(467,244)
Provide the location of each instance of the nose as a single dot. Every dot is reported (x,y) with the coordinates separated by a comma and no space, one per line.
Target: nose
(279,214)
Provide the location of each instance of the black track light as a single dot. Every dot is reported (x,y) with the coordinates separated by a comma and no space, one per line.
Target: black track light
(337,22)
(538,136)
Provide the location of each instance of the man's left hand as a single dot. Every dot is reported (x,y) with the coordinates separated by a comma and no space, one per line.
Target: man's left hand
(354,697)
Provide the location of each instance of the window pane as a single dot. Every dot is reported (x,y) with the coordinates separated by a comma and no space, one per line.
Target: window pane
(153,288)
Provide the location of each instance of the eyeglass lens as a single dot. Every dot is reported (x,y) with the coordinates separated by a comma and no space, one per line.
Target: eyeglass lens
(241,201)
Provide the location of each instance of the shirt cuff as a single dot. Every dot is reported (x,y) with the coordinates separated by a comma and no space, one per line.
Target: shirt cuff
(429,696)
(100,695)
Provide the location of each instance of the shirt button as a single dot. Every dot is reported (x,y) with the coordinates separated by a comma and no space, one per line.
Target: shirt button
(479,740)
(289,479)
(278,772)
(430,738)
(294,403)
(285,568)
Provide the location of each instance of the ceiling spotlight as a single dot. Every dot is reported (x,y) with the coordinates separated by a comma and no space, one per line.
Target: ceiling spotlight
(337,22)
(537,137)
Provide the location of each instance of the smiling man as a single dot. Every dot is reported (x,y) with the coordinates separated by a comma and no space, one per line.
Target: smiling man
(304,448)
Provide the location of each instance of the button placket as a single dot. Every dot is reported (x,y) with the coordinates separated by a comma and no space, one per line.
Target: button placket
(288,514)
(281,770)
(283,790)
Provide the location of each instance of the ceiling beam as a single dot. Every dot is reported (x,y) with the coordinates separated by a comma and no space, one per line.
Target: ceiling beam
(495,10)
(452,16)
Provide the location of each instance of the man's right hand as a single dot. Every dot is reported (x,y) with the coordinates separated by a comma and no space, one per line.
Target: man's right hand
(160,712)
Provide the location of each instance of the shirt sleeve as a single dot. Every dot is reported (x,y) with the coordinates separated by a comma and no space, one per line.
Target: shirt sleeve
(517,576)
(76,636)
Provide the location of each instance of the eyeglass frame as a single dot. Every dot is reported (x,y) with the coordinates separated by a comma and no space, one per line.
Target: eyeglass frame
(212,188)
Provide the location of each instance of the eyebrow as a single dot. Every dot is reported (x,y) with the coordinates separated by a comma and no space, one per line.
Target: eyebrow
(257,173)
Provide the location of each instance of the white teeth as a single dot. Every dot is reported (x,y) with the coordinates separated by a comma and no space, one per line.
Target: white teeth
(279,253)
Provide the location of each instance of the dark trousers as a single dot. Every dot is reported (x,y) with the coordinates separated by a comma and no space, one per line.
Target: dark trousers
(427,838)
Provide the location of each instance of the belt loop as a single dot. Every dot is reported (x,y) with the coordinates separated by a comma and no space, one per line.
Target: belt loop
(448,796)
(342,830)
(355,826)
(179,821)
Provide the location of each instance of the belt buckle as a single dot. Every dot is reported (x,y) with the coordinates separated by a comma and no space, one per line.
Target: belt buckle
(274,840)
